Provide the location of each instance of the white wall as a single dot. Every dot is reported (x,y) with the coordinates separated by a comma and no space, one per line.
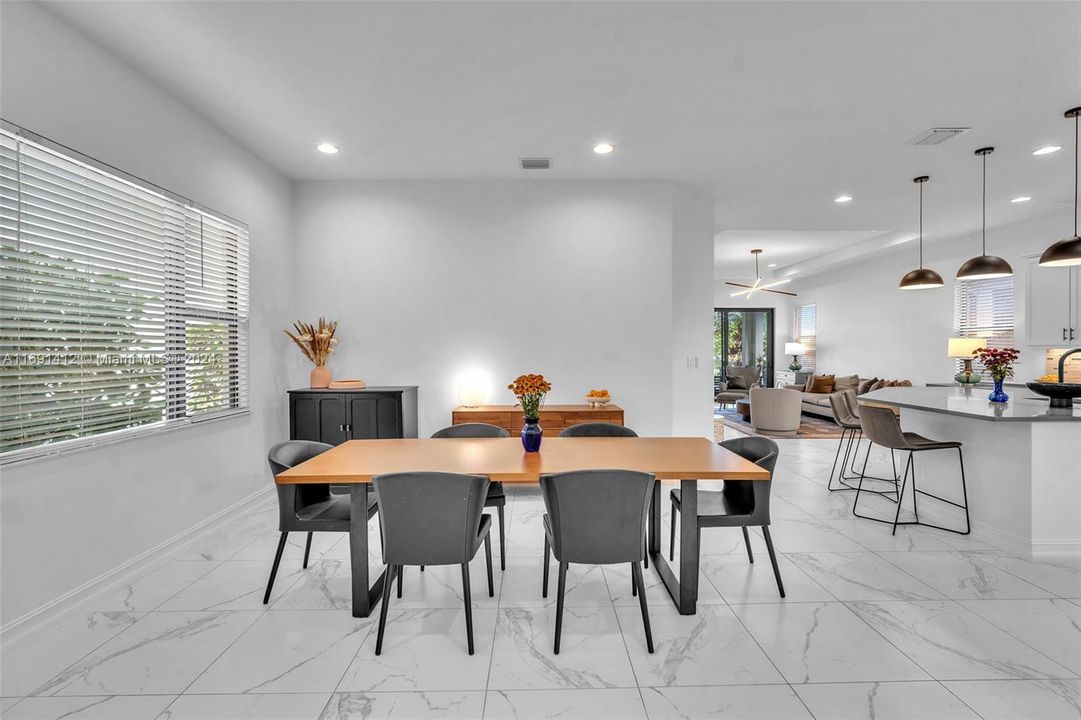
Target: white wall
(69,519)
(434,280)
(867,326)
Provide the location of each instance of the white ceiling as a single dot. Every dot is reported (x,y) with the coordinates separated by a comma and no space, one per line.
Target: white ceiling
(772,108)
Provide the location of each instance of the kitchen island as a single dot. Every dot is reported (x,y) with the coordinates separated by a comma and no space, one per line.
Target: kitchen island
(1022,462)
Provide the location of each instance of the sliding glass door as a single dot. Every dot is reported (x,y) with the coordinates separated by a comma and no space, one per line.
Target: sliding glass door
(743,337)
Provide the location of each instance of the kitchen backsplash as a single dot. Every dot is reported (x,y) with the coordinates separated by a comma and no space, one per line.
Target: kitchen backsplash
(1073,364)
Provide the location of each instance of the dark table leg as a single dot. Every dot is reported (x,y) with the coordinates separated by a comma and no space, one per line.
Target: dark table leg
(684,591)
(364,598)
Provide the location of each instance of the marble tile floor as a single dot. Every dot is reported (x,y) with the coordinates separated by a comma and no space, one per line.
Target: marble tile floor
(919,625)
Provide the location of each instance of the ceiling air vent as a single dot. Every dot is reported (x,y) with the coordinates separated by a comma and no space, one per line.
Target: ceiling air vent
(937,136)
(536,163)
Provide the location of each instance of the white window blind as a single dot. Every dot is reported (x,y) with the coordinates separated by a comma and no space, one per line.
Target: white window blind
(984,308)
(122,308)
(805,330)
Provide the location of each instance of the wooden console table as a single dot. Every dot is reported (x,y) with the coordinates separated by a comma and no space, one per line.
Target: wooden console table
(553,418)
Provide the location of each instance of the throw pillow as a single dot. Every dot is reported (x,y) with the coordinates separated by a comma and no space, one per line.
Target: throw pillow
(879,384)
(735,382)
(846,382)
(904,383)
(822,384)
(865,386)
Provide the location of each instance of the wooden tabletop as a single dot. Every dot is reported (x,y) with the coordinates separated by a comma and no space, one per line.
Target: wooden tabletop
(503,459)
(544,408)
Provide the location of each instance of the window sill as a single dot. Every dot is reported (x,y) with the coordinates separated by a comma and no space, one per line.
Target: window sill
(45,452)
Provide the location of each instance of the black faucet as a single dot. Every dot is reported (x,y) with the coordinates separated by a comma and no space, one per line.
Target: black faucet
(1062,363)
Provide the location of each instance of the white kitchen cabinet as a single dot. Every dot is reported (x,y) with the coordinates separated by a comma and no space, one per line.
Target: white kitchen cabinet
(1054,305)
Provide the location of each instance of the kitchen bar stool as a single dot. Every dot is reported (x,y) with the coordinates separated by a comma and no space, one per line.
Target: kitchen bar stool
(846,413)
(882,427)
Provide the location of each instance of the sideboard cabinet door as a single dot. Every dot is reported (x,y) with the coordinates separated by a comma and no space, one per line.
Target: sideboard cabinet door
(375,417)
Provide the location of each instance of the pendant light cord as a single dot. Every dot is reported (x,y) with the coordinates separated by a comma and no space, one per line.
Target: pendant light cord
(985,205)
(921,226)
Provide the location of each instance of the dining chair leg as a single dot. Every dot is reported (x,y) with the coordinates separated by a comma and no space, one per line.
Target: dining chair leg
(547,561)
(747,542)
(502,540)
(389,573)
(468,607)
(672,537)
(422,568)
(636,573)
(274,567)
(307,550)
(773,559)
(645,555)
(488,563)
(559,603)
(634,583)
(401,569)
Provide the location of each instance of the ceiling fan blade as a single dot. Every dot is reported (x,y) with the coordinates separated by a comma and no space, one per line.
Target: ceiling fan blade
(736,284)
(779,292)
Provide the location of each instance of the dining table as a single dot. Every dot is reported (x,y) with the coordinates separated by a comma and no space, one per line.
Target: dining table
(685,459)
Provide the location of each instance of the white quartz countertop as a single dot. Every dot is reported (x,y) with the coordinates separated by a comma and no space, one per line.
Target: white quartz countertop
(1024,405)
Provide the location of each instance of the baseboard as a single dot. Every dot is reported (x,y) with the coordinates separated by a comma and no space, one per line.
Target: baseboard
(21,627)
(1056,549)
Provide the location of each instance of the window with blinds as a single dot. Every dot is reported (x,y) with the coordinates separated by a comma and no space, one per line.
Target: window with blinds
(984,308)
(805,330)
(122,308)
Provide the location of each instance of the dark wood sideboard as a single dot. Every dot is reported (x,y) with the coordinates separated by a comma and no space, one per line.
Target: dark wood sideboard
(553,418)
(334,416)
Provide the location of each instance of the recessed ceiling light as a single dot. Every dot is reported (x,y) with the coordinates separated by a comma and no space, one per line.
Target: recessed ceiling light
(1047,150)
(603,148)
(327,148)
(842,199)
(1021,198)
(772,265)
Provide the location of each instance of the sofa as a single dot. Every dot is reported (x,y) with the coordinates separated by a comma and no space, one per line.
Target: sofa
(817,402)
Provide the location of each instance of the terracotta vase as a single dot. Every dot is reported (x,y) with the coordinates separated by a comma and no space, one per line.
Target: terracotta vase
(320,377)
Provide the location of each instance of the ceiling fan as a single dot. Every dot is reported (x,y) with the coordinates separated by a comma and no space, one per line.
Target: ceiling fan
(758,286)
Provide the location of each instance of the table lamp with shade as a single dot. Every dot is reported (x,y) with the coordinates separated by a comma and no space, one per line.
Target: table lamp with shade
(795,349)
(963,347)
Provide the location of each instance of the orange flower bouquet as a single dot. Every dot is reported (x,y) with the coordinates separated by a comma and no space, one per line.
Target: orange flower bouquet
(530,391)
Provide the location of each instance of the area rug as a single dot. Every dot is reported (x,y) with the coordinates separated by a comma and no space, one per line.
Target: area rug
(809,426)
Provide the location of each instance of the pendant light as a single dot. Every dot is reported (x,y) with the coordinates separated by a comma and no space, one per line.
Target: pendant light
(984,266)
(1067,251)
(921,278)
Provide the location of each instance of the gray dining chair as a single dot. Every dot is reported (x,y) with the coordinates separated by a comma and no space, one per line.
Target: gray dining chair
(882,427)
(597,429)
(601,429)
(497,497)
(596,517)
(307,508)
(740,503)
(432,518)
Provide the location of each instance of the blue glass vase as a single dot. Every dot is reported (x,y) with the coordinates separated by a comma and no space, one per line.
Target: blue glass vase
(532,434)
(997,395)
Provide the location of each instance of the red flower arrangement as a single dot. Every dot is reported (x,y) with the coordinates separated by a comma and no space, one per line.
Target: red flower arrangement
(998,361)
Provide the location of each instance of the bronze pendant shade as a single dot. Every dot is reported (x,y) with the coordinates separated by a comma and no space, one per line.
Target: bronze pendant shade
(984,266)
(921,278)
(1067,251)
